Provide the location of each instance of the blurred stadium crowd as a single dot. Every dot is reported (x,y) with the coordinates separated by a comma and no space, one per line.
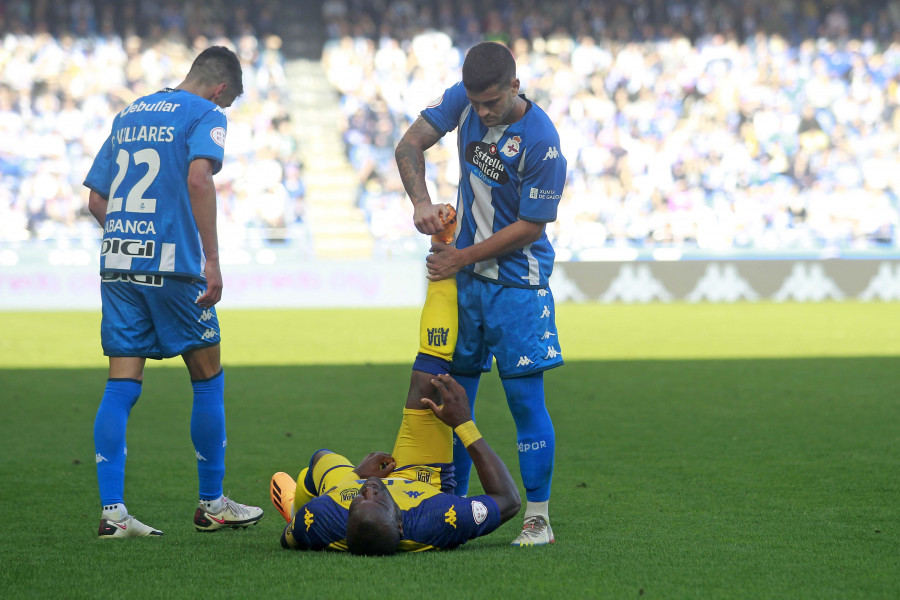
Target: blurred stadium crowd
(67,67)
(711,125)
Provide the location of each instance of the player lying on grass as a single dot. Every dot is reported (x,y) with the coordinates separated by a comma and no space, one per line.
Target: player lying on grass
(393,502)
(402,501)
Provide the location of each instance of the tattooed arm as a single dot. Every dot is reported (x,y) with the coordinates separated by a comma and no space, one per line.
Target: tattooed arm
(410,156)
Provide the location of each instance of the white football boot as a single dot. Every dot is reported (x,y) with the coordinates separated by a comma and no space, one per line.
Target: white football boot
(232,515)
(535,532)
(126,528)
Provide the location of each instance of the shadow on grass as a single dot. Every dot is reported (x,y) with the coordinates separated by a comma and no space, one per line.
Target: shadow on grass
(693,474)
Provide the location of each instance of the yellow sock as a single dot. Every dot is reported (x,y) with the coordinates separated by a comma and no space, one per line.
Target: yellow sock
(438,324)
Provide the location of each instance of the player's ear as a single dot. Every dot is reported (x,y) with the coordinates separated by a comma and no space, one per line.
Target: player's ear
(514,85)
(219,91)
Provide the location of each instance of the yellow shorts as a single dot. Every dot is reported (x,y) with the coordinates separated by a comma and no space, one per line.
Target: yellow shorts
(424,449)
(423,452)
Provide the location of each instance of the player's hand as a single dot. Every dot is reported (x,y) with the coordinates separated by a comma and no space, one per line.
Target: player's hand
(214,285)
(455,409)
(427,217)
(376,464)
(443,262)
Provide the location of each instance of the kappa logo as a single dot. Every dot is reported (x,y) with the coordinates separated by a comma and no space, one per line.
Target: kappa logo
(552,153)
(512,146)
(808,282)
(209,334)
(884,286)
(552,352)
(524,361)
(565,288)
(542,292)
(479,512)
(450,517)
(205,316)
(100,458)
(200,456)
(636,284)
(722,283)
(547,335)
(413,494)
(307,518)
(546,313)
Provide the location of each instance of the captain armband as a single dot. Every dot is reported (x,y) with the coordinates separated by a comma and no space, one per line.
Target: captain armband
(468,434)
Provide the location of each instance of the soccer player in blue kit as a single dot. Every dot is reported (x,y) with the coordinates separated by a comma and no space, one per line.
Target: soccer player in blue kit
(512,178)
(152,192)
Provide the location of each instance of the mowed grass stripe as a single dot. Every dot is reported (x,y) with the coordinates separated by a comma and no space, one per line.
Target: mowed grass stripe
(587,332)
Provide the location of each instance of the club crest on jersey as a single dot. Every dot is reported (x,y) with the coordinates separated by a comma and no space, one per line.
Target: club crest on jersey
(218,135)
(511,148)
(479,512)
(436,102)
(423,475)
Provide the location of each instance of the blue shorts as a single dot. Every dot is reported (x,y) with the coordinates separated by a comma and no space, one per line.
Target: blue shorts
(517,326)
(151,316)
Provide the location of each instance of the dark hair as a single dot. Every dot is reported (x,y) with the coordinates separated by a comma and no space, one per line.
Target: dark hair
(487,64)
(218,64)
(371,534)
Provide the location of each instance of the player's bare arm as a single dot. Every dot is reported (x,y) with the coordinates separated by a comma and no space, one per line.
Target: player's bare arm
(445,261)
(492,472)
(97,205)
(410,157)
(203,205)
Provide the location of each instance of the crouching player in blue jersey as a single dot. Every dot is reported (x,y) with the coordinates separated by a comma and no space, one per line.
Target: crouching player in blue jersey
(512,175)
(152,191)
(403,501)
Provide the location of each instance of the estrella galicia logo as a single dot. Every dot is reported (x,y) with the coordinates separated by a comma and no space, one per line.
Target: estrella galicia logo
(485,164)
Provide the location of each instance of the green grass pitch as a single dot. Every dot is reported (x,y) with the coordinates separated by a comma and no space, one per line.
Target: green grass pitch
(703,451)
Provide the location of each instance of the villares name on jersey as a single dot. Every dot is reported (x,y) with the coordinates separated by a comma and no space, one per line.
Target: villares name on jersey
(142,171)
(507,173)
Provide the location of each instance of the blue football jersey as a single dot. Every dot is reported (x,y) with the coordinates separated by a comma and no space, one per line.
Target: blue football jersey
(142,171)
(507,173)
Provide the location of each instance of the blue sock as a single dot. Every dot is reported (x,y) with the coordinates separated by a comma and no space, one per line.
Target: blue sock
(109,437)
(534,434)
(462,462)
(208,434)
